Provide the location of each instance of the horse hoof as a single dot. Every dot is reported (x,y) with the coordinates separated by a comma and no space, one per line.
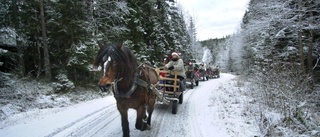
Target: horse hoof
(148,127)
(145,127)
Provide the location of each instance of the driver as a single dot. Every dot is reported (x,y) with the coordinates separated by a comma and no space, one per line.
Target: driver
(176,64)
(189,70)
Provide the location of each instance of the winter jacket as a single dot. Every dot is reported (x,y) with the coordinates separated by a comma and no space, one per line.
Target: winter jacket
(178,67)
(189,68)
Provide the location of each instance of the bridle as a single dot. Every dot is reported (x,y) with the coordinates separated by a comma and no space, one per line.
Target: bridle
(137,81)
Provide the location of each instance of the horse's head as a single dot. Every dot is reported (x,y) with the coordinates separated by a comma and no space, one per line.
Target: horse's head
(109,73)
(114,63)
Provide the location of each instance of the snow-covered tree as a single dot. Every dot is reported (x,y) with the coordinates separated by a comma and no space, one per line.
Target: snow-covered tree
(195,44)
(152,29)
(276,36)
(207,56)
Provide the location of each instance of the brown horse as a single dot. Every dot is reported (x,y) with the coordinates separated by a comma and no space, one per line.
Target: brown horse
(130,82)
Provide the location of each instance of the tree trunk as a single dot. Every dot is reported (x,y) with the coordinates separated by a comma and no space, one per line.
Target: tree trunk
(45,44)
(310,46)
(38,45)
(21,63)
(39,59)
(302,66)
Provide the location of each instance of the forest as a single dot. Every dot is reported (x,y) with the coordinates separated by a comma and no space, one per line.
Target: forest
(46,39)
(277,49)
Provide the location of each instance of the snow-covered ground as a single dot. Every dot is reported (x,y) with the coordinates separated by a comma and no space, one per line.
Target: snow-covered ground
(214,108)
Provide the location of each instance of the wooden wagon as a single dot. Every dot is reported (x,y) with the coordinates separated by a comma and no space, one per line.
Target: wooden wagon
(168,89)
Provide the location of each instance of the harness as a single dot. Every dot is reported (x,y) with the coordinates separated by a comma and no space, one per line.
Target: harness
(137,81)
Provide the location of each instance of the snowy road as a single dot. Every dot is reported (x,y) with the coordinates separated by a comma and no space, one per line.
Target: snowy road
(214,108)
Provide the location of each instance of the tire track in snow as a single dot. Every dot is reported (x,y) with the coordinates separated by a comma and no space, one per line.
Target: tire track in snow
(159,115)
(191,108)
(66,128)
(97,123)
(107,121)
(198,113)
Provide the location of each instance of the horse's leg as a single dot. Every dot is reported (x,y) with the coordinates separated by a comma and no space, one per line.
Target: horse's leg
(124,121)
(141,124)
(150,109)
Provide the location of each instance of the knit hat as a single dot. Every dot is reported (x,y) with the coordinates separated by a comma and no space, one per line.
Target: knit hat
(174,53)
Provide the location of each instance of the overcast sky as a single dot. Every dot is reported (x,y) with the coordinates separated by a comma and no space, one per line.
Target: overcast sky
(215,18)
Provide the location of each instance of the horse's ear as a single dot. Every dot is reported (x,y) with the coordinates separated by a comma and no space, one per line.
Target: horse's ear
(95,64)
(120,45)
(100,44)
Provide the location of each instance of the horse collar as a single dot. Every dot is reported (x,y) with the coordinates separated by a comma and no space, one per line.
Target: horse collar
(136,81)
(129,92)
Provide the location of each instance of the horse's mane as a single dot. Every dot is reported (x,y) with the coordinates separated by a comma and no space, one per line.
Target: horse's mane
(122,54)
(124,58)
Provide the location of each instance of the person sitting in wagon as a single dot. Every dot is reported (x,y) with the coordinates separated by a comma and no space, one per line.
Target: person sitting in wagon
(201,68)
(176,64)
(162,74)
(189,70)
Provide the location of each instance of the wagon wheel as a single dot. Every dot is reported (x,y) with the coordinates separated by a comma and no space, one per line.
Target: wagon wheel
(181,98)
(174,106)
